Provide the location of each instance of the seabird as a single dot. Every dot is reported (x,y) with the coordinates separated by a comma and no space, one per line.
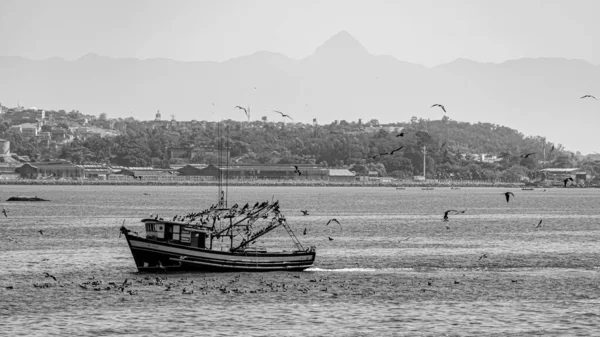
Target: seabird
(41,232)
(51,276)
(567,180)
(333,220)
(538,225)
(304,212)
(508,194)
(4,212)
(401,134)
(330,238)
(527,155)
(446,214)
(398,149)
(483,256)
(588,96)
(283,115)
(304,233)
(297,170)
(441,106)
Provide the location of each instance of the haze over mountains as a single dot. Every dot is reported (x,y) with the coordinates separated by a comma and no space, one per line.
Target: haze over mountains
(341,80)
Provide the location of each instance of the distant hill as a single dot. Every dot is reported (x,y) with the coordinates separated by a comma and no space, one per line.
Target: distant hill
(341,80)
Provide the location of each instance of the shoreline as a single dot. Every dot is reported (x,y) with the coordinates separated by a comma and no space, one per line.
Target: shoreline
(291,183)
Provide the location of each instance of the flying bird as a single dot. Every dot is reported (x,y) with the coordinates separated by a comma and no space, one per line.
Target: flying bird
(304,233)
(538,225)
(527,155)
(508,194)
(51,276)
(567,180)
(398,149)
(304,212)
(4,212)
(483,256)
(242,108)
(441,106)
(297,170)
(401,134)
(446,214)
(41,232)
(333,220)
(588,96)
(330,238)
(283,115)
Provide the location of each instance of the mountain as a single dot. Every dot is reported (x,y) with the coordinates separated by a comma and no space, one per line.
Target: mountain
(341,80)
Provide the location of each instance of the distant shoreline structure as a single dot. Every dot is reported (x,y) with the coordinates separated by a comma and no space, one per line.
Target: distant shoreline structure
(290,183)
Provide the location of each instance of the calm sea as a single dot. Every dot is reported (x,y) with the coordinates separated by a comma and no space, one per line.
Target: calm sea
(393,267)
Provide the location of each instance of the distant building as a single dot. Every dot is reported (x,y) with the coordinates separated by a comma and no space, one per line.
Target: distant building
(157,117)
(341,175)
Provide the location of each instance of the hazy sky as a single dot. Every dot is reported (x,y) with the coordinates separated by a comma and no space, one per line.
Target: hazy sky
(420,31)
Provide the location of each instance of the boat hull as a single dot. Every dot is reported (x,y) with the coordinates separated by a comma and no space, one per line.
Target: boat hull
(150,255)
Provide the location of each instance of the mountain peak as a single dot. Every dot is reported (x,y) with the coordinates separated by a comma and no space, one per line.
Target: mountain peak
(342,43)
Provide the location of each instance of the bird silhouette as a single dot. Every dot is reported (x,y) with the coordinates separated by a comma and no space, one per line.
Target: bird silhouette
(41,232)
(483,256)
(304,233)
(330,238)
(283,115)
(4,212)
(539,224)
(588,96)
(508,194)
(441,106)
(242,108)
(398,149)
(401,134)
(297,170)
(304,212)
(333,220)
(51,276)
(446,214)
(527,155)
(567,180)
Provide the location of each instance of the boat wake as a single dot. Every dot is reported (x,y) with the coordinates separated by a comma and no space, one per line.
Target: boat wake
(361,270)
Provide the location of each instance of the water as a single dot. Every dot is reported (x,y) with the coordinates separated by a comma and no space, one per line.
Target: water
(393,267)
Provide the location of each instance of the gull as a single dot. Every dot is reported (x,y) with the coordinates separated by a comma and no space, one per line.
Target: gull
(333,220)
(330,238)
(398,149)
(446,214)
(483,256)
(241,107)
(51,276)
(588,96)
(441,106)
(283,115)
(304,233)
(567,180)
(527,155)
(401,134)
(4,212)
(538,225)
(508,194)
(41,232)
(304,212)
(297,170)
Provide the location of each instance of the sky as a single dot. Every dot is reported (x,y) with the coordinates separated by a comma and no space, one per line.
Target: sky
(424,32)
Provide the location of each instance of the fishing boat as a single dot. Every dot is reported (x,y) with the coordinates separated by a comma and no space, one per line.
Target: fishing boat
(188,242)
(217,239)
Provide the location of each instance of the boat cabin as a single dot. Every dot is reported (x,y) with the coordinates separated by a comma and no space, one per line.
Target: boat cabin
(175,232)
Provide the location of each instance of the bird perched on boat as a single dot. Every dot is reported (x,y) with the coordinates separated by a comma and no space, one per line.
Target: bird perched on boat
(4,212)
(539,224)
(441,106)
(51,276)
(567,180)
(527,155)
(283,115)
(41,232)
(304,212)
(508,194)
(446,214)
(297,170)
(588,96)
